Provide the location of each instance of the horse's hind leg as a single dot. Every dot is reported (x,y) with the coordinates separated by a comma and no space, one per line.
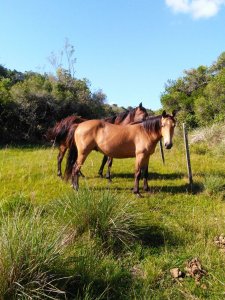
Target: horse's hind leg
(104,160)
(109,163)
(62,151)
(76,170)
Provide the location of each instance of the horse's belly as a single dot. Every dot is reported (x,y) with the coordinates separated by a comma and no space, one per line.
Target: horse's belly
(118,151)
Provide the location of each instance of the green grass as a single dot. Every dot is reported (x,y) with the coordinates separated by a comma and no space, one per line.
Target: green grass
(106,242)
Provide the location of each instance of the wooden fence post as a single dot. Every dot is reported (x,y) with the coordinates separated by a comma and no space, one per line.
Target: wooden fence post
(187,155)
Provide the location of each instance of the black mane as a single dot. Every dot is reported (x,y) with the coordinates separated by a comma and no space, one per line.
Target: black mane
(152,124)
(121,116)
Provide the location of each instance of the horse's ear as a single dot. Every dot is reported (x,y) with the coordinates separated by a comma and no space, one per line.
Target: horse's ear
(164,114)
(140,105)
(174,112)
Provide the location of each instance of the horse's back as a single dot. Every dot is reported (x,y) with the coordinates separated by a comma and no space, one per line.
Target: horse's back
(113,140)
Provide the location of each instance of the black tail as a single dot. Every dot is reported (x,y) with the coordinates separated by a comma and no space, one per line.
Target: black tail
(59,132)
(71,158)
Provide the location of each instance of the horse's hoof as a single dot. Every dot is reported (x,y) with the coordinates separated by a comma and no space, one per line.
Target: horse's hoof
(139,195)
(75,187)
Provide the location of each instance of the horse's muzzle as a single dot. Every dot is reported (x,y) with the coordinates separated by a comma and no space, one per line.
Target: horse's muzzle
(168,145)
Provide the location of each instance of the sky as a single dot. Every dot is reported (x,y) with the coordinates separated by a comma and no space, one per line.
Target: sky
(127,48)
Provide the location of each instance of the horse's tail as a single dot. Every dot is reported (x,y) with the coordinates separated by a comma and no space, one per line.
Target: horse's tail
(57,134)
(60,131)
(49,135)
(72,152)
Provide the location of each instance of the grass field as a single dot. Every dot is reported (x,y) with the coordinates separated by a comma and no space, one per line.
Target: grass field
(103,242)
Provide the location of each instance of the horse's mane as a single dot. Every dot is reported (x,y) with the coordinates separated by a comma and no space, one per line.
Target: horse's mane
(110,119)
(121,116)
(152,124)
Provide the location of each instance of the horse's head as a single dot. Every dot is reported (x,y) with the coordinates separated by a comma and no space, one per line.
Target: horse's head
(168,123)
(140,113)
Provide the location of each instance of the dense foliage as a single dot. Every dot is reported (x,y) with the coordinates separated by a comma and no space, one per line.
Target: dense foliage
(31,102)
(199,96)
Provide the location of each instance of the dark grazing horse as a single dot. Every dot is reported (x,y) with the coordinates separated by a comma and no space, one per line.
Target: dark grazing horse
(62,133)
(135,140)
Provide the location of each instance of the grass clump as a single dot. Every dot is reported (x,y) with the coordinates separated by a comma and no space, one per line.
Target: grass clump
(214,184)
(29,257)
(105,216)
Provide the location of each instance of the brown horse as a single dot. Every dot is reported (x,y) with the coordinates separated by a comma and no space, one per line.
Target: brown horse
(135,115)
(62,133)
(137,140)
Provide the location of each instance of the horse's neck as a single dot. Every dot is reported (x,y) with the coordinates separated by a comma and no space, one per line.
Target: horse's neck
(125,121)
(154,137)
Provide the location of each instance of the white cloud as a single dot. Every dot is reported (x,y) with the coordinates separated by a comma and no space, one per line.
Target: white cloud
(197,8)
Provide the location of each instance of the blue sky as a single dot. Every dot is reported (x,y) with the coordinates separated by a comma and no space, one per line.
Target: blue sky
(127,48)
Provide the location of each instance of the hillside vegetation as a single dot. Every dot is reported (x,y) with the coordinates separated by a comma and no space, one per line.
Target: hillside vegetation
(30,102)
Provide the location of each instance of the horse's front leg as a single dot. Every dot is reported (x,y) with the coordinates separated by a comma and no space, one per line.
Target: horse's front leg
(145,178)
(109,163)
(137,174)
(62,151)
(104,160)
(141,163)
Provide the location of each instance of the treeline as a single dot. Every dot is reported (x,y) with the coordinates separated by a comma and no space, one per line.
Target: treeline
(198,96)
(30,103)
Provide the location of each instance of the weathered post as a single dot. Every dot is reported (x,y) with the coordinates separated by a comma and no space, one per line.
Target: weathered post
(187,155)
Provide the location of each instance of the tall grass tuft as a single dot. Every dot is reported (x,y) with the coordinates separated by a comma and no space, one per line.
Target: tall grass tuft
(104,215)
(214,184)
(29,257)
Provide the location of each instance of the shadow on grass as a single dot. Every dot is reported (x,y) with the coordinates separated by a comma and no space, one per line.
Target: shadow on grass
(151,175)
(157,237)
(194,189)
